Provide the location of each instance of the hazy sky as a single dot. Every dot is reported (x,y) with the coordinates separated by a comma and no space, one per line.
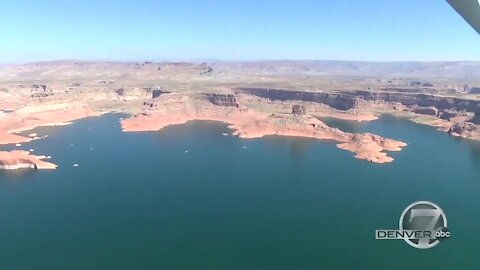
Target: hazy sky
(234,30)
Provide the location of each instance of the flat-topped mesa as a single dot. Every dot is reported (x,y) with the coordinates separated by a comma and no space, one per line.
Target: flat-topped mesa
(335,100)
(222,99)
(19,159)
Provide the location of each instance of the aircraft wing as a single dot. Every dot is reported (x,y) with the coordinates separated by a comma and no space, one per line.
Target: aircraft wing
(469,10)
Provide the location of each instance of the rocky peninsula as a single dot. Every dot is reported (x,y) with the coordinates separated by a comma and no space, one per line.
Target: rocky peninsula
(246,123)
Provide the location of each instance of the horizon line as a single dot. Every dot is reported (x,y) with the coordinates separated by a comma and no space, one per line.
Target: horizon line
(196,60)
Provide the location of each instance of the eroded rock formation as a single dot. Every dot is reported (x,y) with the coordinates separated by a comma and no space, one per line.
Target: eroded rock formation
(222,100)
(466,130)
(426,110)
(447,115)
(40,90)
(158,92)
(298,109)
(120,91)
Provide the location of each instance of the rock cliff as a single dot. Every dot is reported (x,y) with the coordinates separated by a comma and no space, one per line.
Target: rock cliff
(426,110)
(222,99)
(350,99)
(422,100)
(447,115)
(335,100)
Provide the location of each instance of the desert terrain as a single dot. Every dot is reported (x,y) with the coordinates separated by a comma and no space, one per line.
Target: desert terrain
(285,98)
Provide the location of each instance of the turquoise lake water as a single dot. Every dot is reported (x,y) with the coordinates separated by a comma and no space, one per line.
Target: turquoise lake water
(188,197)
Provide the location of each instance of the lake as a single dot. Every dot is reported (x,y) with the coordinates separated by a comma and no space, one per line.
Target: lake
(188,197)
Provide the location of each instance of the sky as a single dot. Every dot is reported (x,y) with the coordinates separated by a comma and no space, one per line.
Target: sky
(123,30)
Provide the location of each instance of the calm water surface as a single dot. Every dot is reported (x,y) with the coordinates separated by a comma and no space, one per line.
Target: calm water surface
(188,197)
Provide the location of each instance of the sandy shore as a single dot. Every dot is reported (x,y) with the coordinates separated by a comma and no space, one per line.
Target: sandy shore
(30,117)
(250,124)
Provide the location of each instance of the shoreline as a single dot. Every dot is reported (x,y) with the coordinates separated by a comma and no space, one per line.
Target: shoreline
(255,99)
(244,122)
(17,122)
(175,108)
(249,124)
(372,148)
(14,123)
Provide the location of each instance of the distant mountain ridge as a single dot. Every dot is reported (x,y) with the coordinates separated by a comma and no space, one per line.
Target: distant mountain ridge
(440,69)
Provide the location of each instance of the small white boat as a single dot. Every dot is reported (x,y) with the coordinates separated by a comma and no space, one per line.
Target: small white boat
(75,165)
